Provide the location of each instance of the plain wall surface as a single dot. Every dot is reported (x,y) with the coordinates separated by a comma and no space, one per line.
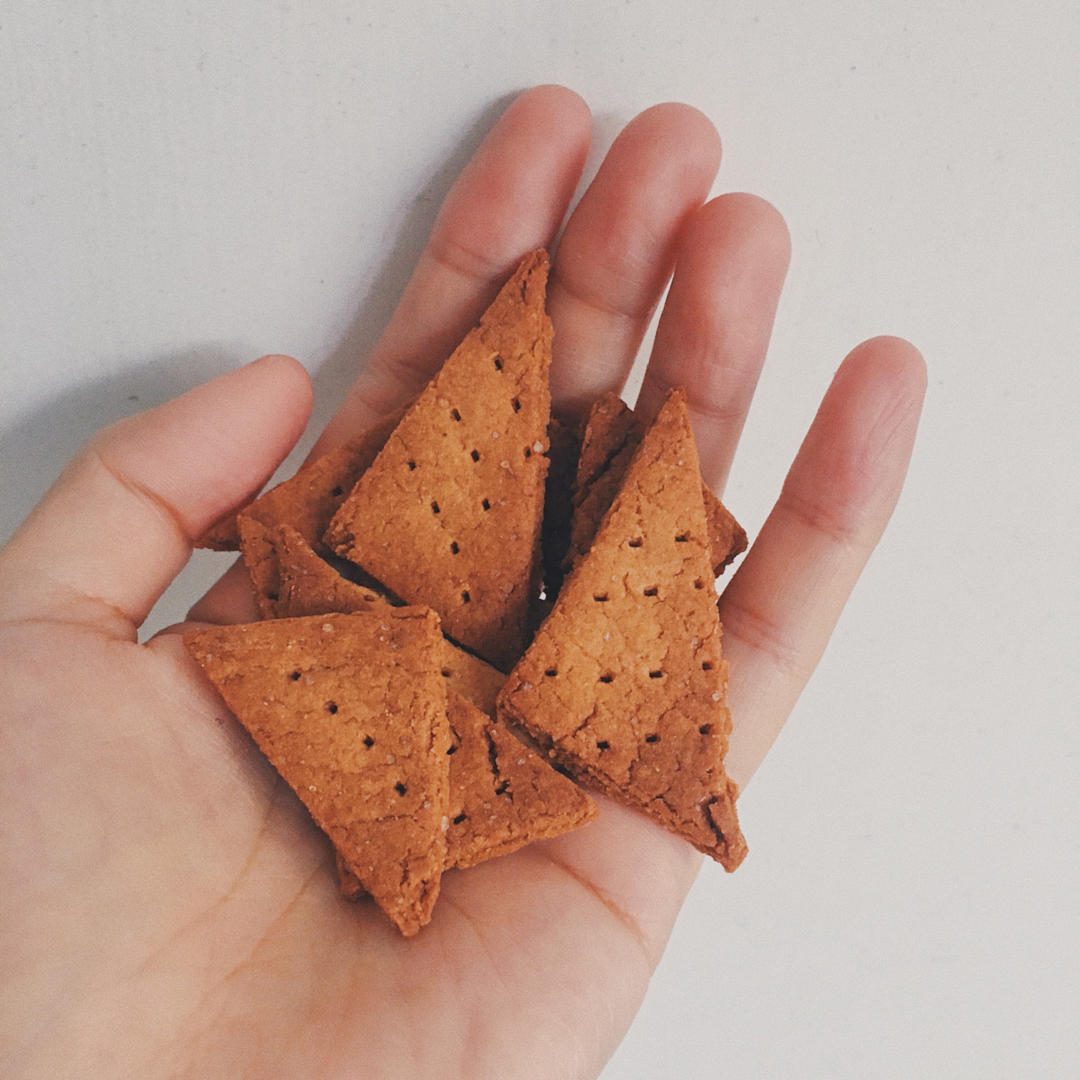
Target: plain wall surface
(185,187)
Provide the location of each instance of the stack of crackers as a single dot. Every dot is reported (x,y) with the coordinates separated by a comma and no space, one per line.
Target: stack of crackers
(473,612)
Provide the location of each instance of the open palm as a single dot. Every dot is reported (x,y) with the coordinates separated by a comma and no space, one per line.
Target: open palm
(167,906)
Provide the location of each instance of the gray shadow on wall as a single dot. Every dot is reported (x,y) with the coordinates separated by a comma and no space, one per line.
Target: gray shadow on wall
(37,447)
(35,450)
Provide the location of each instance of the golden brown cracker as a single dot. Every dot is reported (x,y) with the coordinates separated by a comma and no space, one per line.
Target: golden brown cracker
(727,538)
(449,513)
(612,434)
(309,585)
(502,794)
(351,711)
(608,427)
(624,683)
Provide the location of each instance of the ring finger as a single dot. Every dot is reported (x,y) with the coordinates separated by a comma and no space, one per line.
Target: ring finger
(715,327)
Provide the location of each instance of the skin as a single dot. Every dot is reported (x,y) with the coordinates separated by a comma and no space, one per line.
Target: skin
(168,909)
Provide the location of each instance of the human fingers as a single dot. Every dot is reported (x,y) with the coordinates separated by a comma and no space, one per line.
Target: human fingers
(781,605)
(118,524)
(714,330)
(618,249)
(509,199)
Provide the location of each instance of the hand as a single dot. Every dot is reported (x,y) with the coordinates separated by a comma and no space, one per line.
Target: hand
(167,907)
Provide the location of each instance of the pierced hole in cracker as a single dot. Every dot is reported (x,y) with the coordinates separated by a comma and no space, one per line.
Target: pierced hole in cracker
(607,677)
(603,744)
(652,590)
(485,504)
(706,665)
(446,673)
(652,738)
(528,451)
(454,414)
(705,729)
(551,672)
(475,455)
(435,508)
(460,818)
(411,464)
(295,676)
(656,674)
(400,788)
(600,598)
(273,597)
(698,583)
(338,491)
(636,542)
(452,750)
(682,538)
(369,742)
(498,363)
(331,707)
(517,405)
(465,597)
(503,788)
(454,549)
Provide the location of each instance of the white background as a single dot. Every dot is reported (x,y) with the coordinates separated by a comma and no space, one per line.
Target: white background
(186,186)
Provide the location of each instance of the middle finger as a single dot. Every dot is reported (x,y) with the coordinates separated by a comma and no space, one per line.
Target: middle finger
(717,320)
(618,249)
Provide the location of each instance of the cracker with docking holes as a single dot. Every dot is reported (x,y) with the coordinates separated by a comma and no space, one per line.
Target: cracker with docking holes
(504,795)
(624,683)
(449,512)
(351,711)
(309,585)
(612,433)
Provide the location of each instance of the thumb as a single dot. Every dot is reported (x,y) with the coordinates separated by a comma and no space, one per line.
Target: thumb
(117,526)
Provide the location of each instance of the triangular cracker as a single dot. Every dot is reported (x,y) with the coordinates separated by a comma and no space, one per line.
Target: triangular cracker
(503,795)
(289,579)
(351,711)
(449,513)
(259,550)
(308,500)
(612,433)
(309,585)
(624,683)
